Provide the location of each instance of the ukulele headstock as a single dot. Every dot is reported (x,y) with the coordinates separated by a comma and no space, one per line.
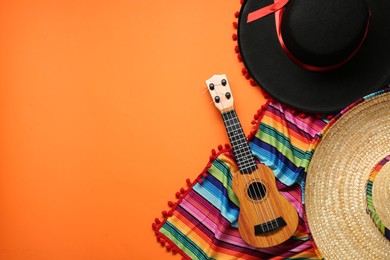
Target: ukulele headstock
(219,89)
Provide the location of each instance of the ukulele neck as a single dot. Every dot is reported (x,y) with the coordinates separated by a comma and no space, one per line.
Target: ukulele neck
(246,162)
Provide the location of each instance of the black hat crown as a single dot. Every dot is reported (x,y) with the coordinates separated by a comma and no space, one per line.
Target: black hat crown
(324,33)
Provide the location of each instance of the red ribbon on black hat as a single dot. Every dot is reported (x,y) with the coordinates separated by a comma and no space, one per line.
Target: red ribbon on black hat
(278,8)
(269,9)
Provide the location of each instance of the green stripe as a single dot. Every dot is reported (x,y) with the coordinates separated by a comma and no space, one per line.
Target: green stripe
(370,202)
(281,138)
(185,244)
(274,138)
(221,172)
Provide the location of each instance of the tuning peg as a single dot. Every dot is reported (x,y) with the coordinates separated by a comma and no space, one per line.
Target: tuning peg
(217,99)
(228,95)
(211,86)
(223,81)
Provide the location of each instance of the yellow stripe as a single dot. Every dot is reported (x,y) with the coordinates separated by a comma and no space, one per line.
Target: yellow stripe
(284,130)
(198,240)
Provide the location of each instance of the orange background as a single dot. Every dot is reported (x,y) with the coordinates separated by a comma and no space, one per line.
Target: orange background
(103,118)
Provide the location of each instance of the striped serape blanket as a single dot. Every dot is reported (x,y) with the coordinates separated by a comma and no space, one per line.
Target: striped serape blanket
(202,224)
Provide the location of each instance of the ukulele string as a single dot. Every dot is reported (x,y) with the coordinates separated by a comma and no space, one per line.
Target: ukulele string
(267,205)
(255,205)
(273,219)
(246,181)
(257,175)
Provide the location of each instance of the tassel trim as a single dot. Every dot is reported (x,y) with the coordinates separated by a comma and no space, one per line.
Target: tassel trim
(181,194)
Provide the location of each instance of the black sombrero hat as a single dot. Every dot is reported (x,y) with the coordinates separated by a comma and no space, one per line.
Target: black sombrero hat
(316,55)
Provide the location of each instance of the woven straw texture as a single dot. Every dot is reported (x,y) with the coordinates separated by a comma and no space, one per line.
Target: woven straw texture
(335,194)
(381,195)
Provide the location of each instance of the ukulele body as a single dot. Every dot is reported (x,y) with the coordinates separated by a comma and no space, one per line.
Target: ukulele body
(266,218)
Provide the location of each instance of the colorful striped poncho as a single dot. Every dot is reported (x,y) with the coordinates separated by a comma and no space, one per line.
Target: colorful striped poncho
(202,224)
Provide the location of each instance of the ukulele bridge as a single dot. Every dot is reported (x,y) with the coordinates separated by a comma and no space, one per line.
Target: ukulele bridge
(270,226)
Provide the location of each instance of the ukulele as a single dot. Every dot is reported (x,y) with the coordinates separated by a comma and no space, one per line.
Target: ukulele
(266,218)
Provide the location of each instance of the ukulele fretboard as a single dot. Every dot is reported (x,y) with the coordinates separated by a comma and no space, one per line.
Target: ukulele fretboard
(246,162)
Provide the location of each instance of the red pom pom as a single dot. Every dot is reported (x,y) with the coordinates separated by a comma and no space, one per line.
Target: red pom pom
(164,213)
(256,116)
(174,250)
(252,82)
(154,226)
(247,76)
(182,190)
(168,247)
(237,14)
(265,94)
(170,203)
(208,165)
(220,147)
(227,146)
(178,195)
(200,181)
(213,152)
(242,1)
(239,57)
(329,116)
(157,221)
(244,71)
(235,25)
(211,158)
(188,181)
(234,37)
(253,122)
(204,174)
(236,49)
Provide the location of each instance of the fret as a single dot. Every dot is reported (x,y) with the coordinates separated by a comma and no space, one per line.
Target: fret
(241,150)
(233,129)
(233,126)
(242,153)
(239,141)
(246,164)
(240,146)
(237,138)
(236,135)
(248,170)
(246,161)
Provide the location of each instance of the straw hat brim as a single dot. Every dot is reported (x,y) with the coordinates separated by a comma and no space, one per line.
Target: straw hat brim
(335,192)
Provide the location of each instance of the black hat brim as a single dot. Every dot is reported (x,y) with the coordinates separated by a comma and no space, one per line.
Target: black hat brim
(317,92)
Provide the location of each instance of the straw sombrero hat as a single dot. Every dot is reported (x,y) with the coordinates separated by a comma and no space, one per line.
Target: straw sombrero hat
(316,55)
(347,193)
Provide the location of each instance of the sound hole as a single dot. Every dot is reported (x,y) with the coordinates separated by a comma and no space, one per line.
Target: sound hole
(256,191)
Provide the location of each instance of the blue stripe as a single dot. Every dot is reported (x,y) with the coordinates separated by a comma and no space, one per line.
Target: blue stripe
(285,141)
(218,198)
(223,189)
(284,170)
